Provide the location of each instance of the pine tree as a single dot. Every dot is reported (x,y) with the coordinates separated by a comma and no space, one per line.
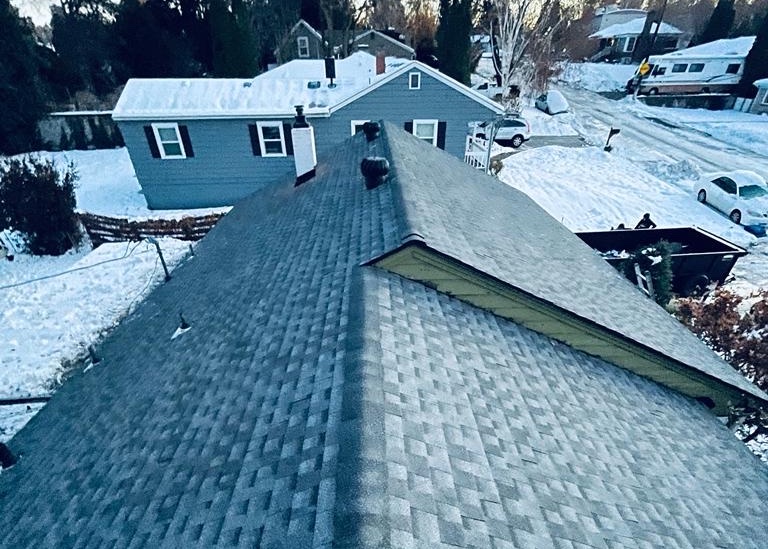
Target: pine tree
(719,25)
(21,88)
(453,43)
(235,53)
(756,63)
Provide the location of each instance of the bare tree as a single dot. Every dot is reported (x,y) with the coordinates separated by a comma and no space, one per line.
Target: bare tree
(522,32)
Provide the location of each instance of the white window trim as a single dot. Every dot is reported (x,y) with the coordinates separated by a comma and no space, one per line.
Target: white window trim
(156,127)
(435,125)
(410,80)
(630,40)
(353,123)
(764,101)
(303,43)
(279,125)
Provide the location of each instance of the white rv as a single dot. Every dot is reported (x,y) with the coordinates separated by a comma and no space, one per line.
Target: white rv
(714,67)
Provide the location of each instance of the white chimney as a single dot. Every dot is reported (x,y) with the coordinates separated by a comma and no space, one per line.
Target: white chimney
(304,154)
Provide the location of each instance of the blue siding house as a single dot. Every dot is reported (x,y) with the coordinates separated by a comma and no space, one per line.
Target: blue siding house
(208,142)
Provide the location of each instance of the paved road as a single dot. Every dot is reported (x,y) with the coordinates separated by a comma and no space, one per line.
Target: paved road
(666,140)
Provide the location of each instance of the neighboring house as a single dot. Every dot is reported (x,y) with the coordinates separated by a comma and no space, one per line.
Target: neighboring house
(760,104)
(714,67)
(434,362)
(617,42)
(377,43)
(613,15)
(209,142)
(302,42)
(481,42)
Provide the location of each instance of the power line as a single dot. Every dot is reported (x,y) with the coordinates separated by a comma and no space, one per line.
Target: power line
(126,255)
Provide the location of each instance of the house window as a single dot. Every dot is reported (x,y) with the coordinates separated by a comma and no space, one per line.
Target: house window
(630,45)
(696,67)
(271,138)
(733,68)
(168,139)
(679,67)
(303,43)
(765,98)
(357,125)
(414,81)
(426,130)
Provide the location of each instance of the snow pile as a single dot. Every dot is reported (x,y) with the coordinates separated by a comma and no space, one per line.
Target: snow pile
(588,189)
(47,320)
(635,26)
(597,77)
(544,124)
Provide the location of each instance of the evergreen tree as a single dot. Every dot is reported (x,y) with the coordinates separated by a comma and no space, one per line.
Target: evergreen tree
(21,88)
(151,41)
(235,53)
(453,39)
(719,25)
(756,63)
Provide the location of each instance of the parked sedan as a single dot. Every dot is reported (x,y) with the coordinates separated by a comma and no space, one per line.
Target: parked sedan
(741,195)
(552,102)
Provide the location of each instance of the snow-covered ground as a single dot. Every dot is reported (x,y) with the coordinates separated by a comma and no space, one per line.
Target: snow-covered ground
(733,128)
(597,77)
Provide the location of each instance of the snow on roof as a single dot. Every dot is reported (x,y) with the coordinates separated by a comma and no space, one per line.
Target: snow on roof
(763,82)
(273,93)
(302,23)
(633,27)
(727,47)
(368,32)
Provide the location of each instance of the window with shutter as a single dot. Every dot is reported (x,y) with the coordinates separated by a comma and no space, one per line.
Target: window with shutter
(169,142)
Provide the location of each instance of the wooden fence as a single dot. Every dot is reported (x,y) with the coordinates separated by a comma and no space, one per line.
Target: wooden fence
(103,229)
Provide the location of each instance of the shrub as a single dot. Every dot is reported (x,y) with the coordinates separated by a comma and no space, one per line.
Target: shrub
(737,329)
(656,259)
(37,200)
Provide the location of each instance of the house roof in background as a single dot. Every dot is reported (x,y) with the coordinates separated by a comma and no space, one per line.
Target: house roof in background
(761,83)
(274,93)
(380,34)
(727,47)
(320,402)
(633,27)
(302,23)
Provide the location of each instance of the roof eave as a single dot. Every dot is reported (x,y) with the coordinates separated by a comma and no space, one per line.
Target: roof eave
(215,116)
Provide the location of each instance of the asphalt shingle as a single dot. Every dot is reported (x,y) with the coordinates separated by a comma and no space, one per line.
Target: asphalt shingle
(319,403)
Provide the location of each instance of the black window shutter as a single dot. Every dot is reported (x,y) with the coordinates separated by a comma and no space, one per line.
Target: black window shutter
(184,132)
(288,138)
(253,130)
(409,126)
(151,142)
(441,135)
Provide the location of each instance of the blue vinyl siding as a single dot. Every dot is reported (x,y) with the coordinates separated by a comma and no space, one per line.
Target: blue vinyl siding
(224,168)
(398,104)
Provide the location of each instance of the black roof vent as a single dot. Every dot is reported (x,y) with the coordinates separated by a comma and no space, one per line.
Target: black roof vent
(7,459)
(371,130)
(375,170)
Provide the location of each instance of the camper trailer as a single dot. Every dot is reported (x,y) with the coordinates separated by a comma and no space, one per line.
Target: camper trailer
(714,67)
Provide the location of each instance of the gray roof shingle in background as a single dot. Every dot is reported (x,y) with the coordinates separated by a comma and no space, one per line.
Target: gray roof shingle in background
(317,403)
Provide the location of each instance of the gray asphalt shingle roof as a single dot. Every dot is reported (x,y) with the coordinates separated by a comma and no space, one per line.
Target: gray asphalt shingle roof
(318,403)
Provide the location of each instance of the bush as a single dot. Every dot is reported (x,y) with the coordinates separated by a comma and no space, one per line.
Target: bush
(656,259)
(37,200)
(737,329)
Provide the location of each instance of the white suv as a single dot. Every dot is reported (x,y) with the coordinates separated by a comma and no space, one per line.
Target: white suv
(512,130)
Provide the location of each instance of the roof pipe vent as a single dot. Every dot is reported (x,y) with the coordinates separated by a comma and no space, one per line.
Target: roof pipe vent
(375,170)
(371,130)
